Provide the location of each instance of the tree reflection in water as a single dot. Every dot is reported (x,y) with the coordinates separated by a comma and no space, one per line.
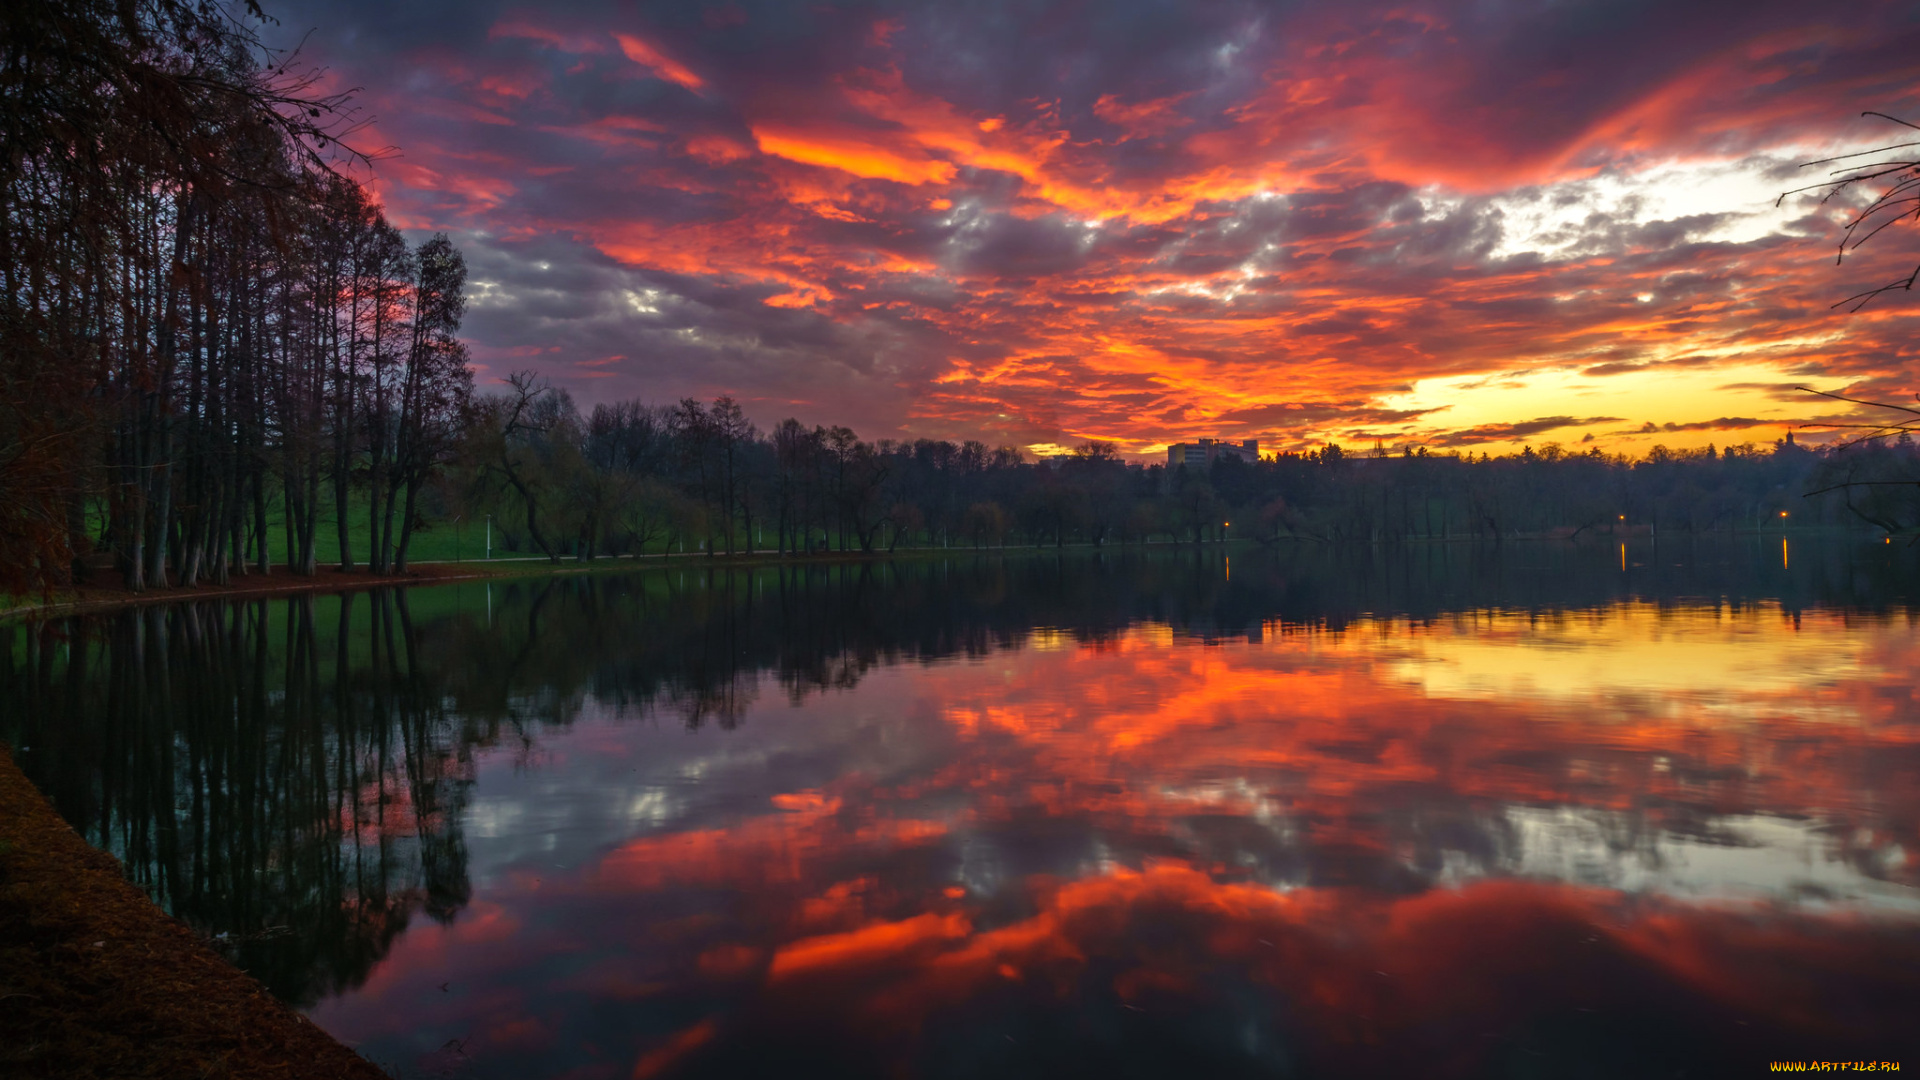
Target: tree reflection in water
(299,806)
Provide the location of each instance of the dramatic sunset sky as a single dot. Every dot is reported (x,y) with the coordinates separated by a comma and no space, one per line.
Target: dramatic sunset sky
(1451,224)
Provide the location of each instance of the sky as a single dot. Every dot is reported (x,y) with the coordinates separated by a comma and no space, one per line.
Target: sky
(1465,226)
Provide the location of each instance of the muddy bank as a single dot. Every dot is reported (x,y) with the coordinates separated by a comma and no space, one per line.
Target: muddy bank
(97,982)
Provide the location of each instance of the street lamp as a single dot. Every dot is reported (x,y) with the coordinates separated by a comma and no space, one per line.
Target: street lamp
(489,537)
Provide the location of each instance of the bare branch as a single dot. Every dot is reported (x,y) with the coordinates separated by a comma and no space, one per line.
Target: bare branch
(1862,483)
(1857,401)
(1898,202)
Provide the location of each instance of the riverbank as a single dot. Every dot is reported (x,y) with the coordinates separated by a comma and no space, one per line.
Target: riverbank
(281,582)
(89,599)
(329,579)
(97,982)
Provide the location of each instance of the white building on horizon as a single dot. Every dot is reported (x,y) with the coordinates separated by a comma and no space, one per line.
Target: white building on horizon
(1207,451)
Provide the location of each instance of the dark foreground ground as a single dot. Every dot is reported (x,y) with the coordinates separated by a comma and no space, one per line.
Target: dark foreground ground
(95,981)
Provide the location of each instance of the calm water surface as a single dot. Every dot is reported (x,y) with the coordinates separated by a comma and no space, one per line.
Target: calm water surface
(1547,811)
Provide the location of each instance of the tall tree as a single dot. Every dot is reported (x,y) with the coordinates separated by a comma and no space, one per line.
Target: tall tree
(140,136)
(438,386)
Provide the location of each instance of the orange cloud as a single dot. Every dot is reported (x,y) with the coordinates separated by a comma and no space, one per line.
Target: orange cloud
(867,944)
(1354,211)
(871,160)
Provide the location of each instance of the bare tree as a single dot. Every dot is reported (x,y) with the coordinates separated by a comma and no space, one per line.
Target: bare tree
(516,424)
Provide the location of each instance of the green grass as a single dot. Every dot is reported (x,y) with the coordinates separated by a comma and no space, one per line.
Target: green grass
(437,541)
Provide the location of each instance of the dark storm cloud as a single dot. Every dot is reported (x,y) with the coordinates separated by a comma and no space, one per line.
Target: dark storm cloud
(1526,429)
(1725,423)
(1004,246)
(1622,367)
(1295,417)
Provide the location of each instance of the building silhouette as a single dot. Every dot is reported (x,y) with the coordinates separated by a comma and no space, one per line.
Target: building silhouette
(1207,451)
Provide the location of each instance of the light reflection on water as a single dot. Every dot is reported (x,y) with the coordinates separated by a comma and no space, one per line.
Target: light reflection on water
(1140,821)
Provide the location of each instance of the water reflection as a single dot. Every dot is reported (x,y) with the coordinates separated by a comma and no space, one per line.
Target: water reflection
(302,810)
(1466,812)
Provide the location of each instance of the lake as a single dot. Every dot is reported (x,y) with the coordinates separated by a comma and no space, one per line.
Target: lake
(1535,810)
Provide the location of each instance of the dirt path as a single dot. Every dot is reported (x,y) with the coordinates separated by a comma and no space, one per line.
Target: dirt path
(280,582)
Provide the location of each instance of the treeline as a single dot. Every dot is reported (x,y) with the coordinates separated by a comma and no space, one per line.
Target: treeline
(207,329)
(630,478)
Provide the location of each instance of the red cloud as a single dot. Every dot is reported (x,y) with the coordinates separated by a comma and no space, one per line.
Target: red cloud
(661,64)
(1145,238)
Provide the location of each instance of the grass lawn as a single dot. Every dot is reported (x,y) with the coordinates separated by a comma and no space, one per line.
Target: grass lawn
(436,541)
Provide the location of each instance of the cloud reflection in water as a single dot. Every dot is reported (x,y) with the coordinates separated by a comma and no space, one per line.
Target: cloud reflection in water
(1490,843)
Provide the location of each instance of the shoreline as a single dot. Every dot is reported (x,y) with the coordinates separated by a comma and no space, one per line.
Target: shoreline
(96,981)
(326,580)
(86,600)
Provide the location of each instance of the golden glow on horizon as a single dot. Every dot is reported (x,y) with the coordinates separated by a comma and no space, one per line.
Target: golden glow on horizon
(1655,394)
